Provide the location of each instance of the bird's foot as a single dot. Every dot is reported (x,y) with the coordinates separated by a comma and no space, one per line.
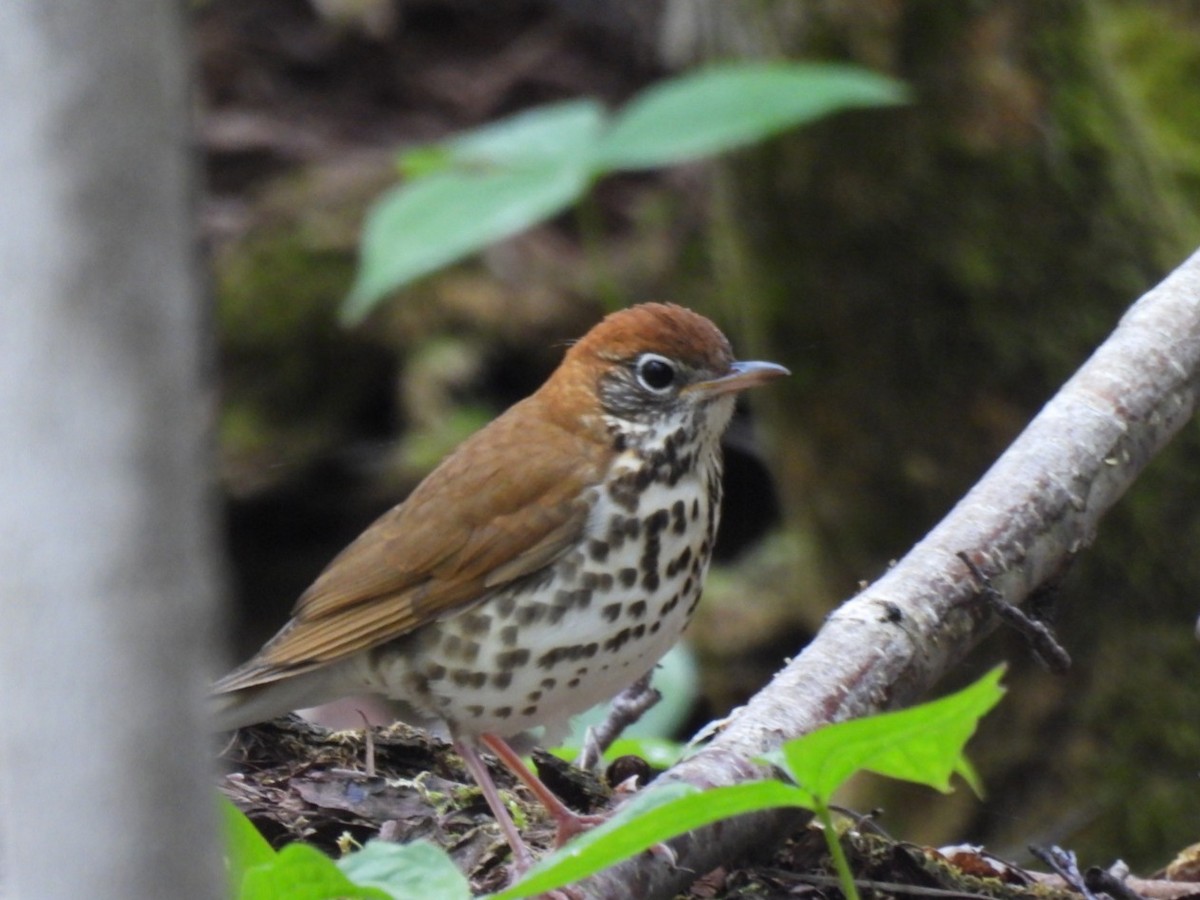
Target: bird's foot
(568,824)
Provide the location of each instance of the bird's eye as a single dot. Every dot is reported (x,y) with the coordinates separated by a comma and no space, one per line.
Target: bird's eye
(655,373)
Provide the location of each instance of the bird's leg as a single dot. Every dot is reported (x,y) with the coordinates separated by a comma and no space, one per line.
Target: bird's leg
(568,823)
(522,858)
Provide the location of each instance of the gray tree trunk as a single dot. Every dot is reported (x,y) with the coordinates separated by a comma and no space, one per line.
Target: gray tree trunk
(107,584)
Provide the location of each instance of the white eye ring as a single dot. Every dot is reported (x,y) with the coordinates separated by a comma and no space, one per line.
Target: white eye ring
(655,373)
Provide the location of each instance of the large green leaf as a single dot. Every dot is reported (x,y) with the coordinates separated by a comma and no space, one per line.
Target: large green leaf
(498,180)
(727,106)
(923,744)
(658,814)
(419,227)
(415,871)
(245,846)
(301,872)
(549,135)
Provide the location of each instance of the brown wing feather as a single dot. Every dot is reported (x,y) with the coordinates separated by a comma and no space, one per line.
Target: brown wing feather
(482,519)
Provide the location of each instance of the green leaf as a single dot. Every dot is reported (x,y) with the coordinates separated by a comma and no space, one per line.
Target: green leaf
(245,846)
(728,106)
(421,226)
(658,814)
(923,744)
(416,871)
(562,133)
(301,872)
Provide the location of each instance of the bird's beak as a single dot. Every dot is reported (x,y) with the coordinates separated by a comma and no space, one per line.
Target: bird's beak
(741,375)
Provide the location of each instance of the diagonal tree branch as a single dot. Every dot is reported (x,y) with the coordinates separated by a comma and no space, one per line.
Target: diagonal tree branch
(1038,506)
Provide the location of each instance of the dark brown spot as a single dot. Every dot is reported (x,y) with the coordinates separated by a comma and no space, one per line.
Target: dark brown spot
(625,492)
(470,651)
(611,612)
(549,683)
(669,605)
(475,711)
(679,517)
(512,659)
(638,631)
(589,650)
(467,678)
(568,567)
(574,683)
(637,609)
(529,711)
(555,655)
(452,645)
(530,613)
(617,641)
(605,583)
(649,561)
(476,624)
(616,532)
(533,696)
(657,522)
(435,672)
(504,605)
(598,550)
(502,680)
(695,508)
(502,712)
(580,597)
(627,577)
(654,627)
(509,635)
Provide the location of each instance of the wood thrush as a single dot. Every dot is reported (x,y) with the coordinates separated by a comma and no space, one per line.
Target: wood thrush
(545,565)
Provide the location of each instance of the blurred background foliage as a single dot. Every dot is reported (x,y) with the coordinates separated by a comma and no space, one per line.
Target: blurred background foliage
(931,273)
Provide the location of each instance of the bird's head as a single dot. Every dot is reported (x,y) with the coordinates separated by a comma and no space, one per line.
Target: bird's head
(656,367)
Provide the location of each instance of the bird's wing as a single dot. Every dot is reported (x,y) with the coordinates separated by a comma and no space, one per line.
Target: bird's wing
(494,511)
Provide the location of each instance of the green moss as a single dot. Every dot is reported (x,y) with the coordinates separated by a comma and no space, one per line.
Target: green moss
(292,378)
(1156,47)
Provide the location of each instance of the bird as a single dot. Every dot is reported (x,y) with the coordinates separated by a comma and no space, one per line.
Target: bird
(546,564)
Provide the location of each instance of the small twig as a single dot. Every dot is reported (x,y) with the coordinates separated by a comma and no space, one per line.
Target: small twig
(627,707)
(368,745)
(1038,634)
(868,821)
(1064,864)
(1108,882)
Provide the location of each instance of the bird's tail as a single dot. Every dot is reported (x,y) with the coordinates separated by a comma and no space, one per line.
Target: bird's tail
(230,709)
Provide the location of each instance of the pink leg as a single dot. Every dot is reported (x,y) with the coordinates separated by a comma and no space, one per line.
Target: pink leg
(522,859)
(568,822)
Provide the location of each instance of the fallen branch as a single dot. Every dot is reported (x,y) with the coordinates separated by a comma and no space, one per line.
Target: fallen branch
(1022,524)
